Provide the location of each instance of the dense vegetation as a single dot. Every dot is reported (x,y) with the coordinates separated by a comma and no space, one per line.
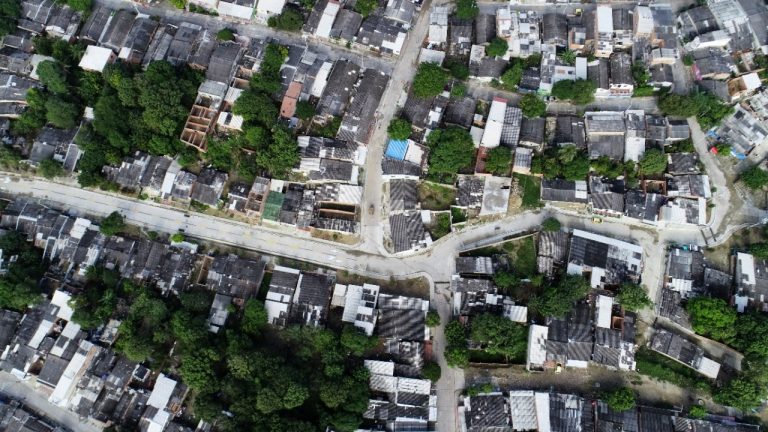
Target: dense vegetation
(621,399)
(580,92)
(754,177)
(19,285)
(566,162)
(498,335)
(633,297)
(498,161)
(430,80)
(451,151)
(290,19)
(10,10)
(654,161)
(399,129)
(532,106)
(497,48)
(707,108)
(557,298)
(466,9)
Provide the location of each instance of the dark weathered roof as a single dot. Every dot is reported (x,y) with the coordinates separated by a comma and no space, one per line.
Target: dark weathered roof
(560,190)
(554,29)
(339,88)
(223,62)
(314,289)
(532,131)
(460,112)
(117,32)
(391,166)
(358,120)
(489,413)
(407,230)
(346,24)
(485,28)
(94,26)
(407,324)
(682,163)
(402,195)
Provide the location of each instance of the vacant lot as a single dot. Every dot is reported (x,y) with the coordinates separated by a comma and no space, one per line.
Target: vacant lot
(531,190)
(434,196)
(414,287)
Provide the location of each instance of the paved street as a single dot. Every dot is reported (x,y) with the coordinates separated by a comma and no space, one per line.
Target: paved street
(23,392)
(249,29)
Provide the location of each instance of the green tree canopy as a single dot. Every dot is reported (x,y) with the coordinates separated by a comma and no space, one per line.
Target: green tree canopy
(305,110)
(654,161)
(459,70)
(499,336)
(498,161)
(433,319)
(399,129)
(712,317)
(557,300)
(112,224)
(451,151)
(225,34)
(754,177)
(430,80)
(10,10)
(640,73)
(281,155)
(550,224)
(706,107)
(497,48)
(741,393)
(431,371)
(257,107)
(366,7)
(61,113)
(466,9)
(621,399)
(50,169)
(634,297)
(289,19)
(580,92)
(532,106)
(510,79)
(53,76)
(80,5)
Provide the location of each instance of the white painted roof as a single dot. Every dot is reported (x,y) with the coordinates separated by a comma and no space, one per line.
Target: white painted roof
(351,302)
(537,344)
(161,393)
(603,311)
(522,409)
(96,58)
(709,368)
(516,313)
(604,19)
(542,411)
(61,299)
(327,19)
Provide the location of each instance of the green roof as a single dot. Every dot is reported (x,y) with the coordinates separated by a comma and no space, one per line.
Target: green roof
(273,205)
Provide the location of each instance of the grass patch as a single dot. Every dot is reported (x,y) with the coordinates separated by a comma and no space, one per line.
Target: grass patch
(531,188)
(436,197)
(655,365)
(642,91)
(480,356)
(264,287)
(458,215)
(441,227)
(522,255)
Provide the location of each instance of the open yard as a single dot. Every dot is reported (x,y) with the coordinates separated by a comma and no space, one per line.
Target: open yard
(436,197)
(530,188)
(415,287)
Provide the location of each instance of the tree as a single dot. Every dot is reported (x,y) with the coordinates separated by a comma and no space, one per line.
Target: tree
(620,400)
(112,224)
(305,110)
(256,106)
(451,150)
(431,371)
(505,280)
(366,7)
(50,169)
(640,73)
(61,113)
(225,34)
(697,412)
(606,167)
(466,9)
(430,80)
(510,79)
(53,76)
(550,224)
(568,57)
(557,300)
(497,48)
(742,393)
(499,335)
(457,357)
(498,161)
(289,20)
(399,129)
(532,106)
(580,92)
(355,341)
(197,369)
(752,336)
(10,10)
(281,155)
(80,5)
(633,297)
(455,334)
(712,317)
(433,319)
(755,177)
(177,238)
(654,161)
(459,70)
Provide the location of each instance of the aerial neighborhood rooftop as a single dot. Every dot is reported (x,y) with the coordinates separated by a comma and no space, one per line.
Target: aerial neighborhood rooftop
(383,215)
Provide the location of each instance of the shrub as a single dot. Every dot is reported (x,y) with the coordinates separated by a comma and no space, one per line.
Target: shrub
(225,34)
(550,224)
(399,129)
(431,371)
(621,400)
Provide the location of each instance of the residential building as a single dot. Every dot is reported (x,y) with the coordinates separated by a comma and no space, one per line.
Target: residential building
(608,261)
(685,352)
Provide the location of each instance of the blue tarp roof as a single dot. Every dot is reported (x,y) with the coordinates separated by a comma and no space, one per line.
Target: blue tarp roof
(396,149)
